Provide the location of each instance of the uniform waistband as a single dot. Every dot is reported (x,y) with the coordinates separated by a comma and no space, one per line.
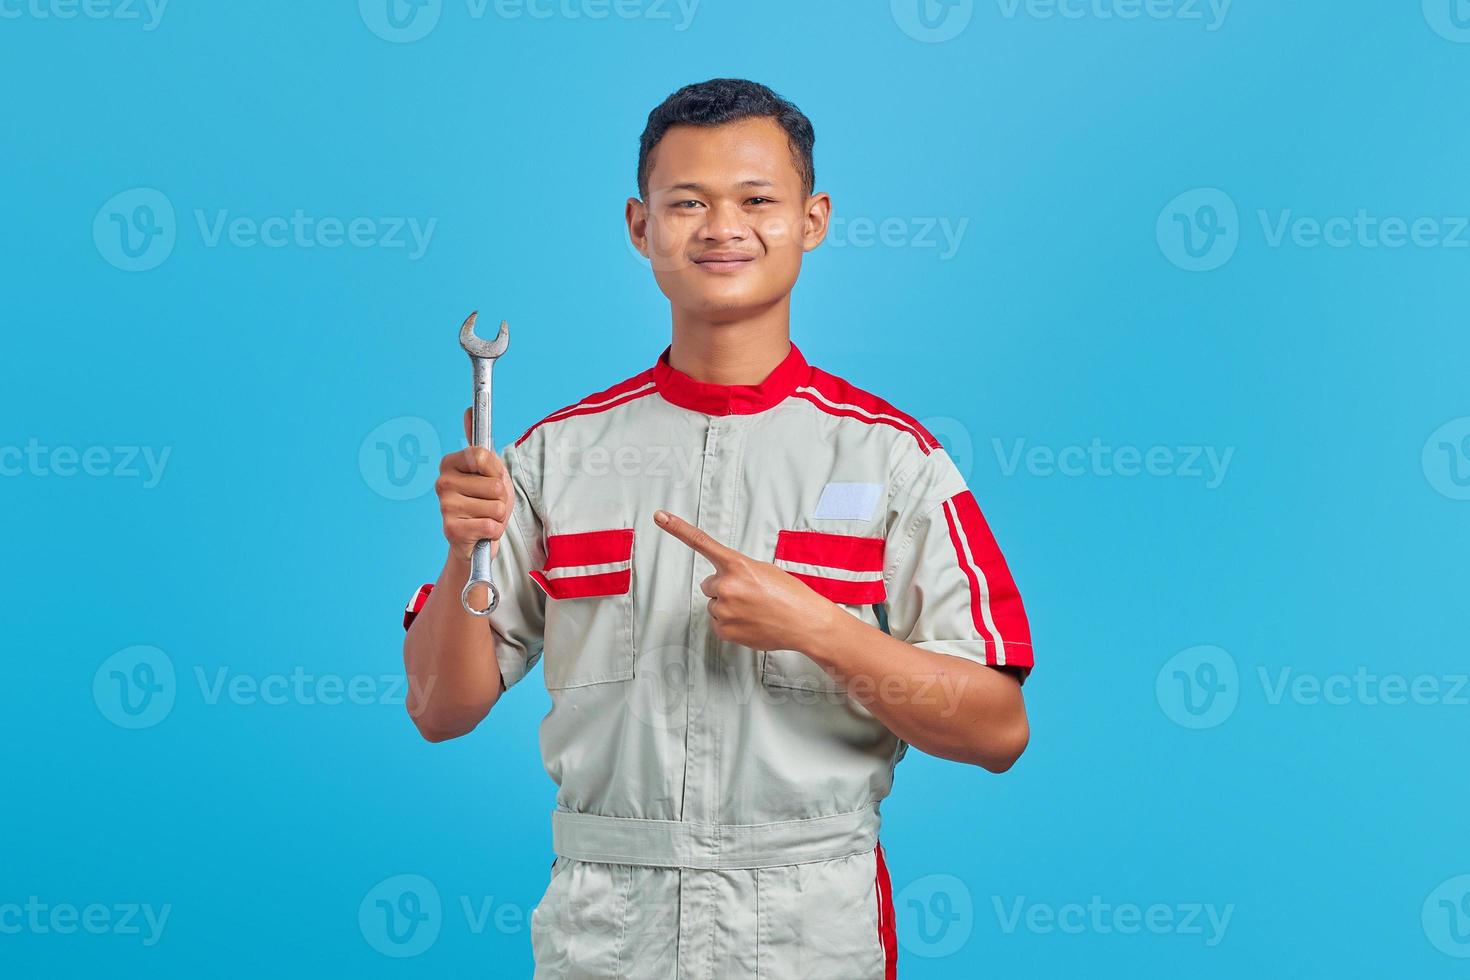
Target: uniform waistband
(712,846)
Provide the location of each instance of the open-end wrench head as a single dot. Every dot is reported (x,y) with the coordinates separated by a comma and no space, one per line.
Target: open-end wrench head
(476,347)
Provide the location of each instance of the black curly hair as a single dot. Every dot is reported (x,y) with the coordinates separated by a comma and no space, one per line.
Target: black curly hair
(724,100)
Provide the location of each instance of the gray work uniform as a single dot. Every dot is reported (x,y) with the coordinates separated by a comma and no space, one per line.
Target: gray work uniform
(717,806)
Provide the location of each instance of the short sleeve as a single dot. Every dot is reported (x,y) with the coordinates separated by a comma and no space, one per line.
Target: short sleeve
(949,588)
(519,618)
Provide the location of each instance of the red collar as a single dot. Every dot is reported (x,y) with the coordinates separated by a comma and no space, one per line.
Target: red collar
(716,399)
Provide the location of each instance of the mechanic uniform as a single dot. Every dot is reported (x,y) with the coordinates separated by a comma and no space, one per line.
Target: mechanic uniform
(717,806)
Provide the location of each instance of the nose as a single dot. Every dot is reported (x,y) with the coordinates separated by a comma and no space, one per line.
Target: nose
(724,222)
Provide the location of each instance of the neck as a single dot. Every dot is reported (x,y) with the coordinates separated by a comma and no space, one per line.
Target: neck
(723,351)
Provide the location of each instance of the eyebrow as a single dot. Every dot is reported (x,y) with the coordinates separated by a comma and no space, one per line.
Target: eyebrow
(701,188)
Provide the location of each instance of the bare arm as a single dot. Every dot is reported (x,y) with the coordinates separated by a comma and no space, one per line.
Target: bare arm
(941,704)
(453,677)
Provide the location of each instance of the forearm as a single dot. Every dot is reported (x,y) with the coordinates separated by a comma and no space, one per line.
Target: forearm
(449,655)
(941,704)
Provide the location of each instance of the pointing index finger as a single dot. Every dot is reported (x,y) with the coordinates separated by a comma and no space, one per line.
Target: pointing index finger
(695,537)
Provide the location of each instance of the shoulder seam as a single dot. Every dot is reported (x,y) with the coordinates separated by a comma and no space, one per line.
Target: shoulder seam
(915,521)
(625,391)
(835,396)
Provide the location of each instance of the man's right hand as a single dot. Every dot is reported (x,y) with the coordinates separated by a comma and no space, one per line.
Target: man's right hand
(476,497)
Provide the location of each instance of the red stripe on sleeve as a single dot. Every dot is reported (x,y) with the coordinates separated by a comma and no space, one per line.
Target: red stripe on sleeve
(411,611)
(1006,610)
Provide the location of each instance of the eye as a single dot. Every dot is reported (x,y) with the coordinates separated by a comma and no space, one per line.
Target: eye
(760,200)
(681,204)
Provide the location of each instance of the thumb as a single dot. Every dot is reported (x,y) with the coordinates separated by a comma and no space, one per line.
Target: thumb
(469,425)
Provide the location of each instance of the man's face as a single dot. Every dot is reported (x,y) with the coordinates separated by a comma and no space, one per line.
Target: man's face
(727,218)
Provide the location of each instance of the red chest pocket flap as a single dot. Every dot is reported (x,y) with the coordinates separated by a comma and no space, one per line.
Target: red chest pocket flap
(846,568)
(587,563)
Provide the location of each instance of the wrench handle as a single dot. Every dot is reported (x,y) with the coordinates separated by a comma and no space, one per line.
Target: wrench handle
(480,429)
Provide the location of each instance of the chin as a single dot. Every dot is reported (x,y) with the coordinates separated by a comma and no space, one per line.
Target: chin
(725,304)
(708,300)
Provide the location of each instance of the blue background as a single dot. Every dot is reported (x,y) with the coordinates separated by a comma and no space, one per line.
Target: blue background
(272,544)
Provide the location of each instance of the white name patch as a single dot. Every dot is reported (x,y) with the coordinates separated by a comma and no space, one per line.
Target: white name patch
(847,501)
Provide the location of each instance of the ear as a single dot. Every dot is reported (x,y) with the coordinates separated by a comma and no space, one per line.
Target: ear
(818,217)
(636,214)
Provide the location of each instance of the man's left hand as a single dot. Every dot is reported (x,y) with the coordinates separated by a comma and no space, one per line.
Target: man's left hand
(754,603)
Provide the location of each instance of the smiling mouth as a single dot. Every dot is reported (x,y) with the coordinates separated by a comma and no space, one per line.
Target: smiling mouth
(725,263)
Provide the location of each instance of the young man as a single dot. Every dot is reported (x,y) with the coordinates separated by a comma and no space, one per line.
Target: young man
(754,585)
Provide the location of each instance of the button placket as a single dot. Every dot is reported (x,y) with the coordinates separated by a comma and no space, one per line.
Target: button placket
(700,750)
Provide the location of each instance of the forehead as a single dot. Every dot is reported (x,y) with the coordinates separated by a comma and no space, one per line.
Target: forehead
(755,148)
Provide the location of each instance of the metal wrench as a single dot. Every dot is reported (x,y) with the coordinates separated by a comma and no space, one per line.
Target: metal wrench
(482,355)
